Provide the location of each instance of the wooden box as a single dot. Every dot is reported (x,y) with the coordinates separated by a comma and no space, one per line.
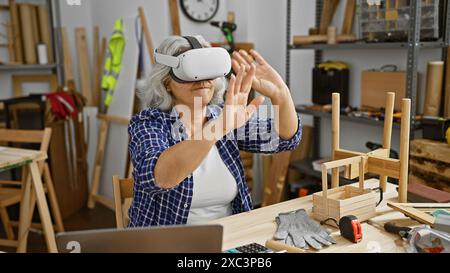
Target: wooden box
(345,200)
(375,85)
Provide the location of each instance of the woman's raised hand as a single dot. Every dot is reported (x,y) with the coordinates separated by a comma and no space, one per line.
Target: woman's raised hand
(266,81)
(236,112)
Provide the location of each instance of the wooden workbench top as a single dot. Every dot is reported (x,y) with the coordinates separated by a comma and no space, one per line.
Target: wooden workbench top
(9,157)
(259,225)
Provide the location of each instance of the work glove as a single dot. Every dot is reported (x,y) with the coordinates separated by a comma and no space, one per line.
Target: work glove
(297,229)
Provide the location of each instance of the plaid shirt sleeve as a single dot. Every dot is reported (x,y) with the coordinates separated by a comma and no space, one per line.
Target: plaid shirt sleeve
(148,140)
(259,136)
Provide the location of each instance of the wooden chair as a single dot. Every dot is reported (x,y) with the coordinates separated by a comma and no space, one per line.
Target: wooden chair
(10,191)
(123,195)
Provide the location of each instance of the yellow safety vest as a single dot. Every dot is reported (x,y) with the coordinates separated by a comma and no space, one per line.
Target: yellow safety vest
(113,62)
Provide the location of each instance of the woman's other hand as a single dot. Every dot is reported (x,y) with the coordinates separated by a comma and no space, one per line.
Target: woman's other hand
(266,81)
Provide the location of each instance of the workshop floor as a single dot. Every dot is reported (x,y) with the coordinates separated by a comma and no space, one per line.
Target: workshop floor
(97,218)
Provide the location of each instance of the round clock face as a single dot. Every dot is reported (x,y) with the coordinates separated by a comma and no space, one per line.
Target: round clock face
(200,10)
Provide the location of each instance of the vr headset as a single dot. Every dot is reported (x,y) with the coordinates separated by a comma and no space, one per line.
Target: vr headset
(198,63)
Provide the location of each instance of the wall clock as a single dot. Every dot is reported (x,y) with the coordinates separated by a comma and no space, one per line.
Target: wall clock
(199,10)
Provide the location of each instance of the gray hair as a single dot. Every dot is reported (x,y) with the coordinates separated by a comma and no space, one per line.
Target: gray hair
(152,91)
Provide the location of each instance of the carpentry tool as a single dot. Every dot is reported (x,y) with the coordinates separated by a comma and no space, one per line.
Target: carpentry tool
(422,239)
(227,29)
(349,226)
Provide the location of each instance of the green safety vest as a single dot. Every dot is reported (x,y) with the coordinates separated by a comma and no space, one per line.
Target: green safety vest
(113,62)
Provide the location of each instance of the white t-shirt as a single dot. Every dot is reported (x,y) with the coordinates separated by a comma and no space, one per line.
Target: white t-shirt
(214,189)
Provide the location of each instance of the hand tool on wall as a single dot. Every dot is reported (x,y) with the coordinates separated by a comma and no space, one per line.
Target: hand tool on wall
(227,29)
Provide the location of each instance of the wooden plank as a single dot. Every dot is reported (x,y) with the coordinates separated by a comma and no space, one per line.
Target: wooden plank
(277,181)
(427,166)
(328,10)
(341,162)
(19,80)
(24,136)
(27,33)
(67,57)
(174,17)
(14,14)
(384,166)
(10,37)
(45,30)
(347,24)
(96,83)
(411,211)
(387,131)
(430,149)
(35,25)
(335,135)
(147,35)
(99,155)
(114,119)
(83,64)
(44,212)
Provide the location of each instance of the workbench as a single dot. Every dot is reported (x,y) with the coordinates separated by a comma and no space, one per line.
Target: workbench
(32,189)
(259,225)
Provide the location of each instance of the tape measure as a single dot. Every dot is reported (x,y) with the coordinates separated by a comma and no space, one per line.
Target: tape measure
(350,228)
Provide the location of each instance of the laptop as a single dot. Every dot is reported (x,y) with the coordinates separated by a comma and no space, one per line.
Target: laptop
(161,239)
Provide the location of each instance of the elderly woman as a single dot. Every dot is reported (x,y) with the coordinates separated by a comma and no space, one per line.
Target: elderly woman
(182,179)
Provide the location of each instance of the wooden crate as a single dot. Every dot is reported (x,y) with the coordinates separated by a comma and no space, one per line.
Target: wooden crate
(345,200)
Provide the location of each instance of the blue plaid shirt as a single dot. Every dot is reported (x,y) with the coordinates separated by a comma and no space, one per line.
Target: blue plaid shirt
(152,131)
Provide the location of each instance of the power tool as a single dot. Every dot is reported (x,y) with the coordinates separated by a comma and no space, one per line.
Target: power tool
(227,29)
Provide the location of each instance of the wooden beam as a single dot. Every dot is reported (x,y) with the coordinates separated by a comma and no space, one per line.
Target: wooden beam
(174,17)
(341,162)
(83,64)
(147,35)
(335,133)
(384,166)
(404,151)
(412,210)
(347,24)
(430,149)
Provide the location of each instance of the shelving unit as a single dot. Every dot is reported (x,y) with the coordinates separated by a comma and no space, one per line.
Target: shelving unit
(413,45)
(56,67)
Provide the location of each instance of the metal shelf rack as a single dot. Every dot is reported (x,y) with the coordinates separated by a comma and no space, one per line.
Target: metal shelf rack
(56,67)
(413,45)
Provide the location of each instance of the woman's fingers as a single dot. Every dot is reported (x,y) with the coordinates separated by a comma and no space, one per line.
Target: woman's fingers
(231,89)
(235,65)
(239,58)
(259,59)
(247,83)
(247,57)
(240,76)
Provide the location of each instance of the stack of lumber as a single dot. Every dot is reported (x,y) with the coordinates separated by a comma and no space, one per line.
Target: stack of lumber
(29,26)
(430,164)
